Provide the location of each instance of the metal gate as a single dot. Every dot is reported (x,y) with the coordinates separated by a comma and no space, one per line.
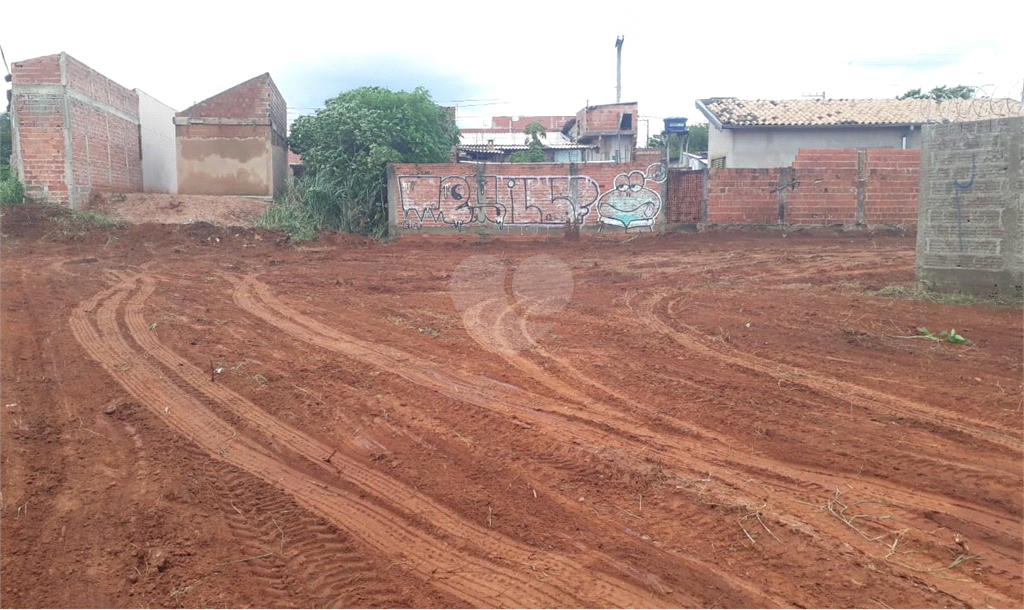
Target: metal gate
(685,196)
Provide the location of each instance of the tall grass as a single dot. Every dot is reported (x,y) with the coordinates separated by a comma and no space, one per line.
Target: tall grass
(11,188)
(319,202)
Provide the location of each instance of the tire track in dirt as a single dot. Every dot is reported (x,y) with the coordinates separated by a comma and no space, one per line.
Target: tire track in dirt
(550,414)
(494,339)
(815,484)
(492,336)
(478,565)
(842,390)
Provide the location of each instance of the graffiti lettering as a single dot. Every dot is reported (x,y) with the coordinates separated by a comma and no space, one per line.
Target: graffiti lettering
(461,201)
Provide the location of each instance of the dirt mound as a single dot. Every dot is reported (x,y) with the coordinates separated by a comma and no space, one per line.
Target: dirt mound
(162,208)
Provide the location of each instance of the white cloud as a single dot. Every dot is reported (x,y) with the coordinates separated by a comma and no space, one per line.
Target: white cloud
(533,57)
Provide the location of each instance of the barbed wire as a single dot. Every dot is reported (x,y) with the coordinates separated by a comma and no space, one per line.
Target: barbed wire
(993,103)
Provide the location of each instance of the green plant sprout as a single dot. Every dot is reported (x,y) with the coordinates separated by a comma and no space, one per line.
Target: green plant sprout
(950,337)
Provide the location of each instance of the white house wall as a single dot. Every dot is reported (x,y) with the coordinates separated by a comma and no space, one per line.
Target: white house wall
(777,147)
(159,156)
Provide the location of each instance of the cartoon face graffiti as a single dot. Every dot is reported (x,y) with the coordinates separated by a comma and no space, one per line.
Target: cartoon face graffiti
(631,202)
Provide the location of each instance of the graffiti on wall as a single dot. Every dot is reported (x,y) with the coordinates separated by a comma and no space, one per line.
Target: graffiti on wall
(461,201)
(632,202)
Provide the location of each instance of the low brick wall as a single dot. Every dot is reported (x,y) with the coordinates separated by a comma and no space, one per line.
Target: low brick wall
(823,187)
(524,197)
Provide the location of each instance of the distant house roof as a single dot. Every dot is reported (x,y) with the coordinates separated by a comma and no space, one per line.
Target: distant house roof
(729,112)
(294,158)
(519,123)
(481,140)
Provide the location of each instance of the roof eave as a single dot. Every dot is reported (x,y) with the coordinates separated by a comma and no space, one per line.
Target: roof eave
(710,115)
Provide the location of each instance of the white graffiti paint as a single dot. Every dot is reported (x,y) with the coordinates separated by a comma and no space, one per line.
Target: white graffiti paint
(631,202)
(458,201)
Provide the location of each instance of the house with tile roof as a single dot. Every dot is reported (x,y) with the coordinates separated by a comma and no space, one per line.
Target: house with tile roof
(769,133)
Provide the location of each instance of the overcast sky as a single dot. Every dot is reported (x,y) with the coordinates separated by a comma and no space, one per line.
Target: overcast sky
(531,57)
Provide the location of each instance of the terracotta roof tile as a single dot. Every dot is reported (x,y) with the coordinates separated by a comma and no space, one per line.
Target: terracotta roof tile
(732,112)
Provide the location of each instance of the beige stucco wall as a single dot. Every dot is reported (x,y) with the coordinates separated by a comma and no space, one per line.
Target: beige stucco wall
(777,147)
(215,163)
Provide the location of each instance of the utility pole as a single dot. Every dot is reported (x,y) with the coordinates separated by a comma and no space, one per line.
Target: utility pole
(618,69)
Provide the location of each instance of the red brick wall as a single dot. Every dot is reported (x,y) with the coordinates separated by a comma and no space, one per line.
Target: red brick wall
(92,130)
(743,196)
(822,190)
(422,194)
(825,188)
(893,187)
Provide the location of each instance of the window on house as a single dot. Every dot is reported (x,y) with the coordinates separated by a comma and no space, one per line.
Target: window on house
(626,122)
(718,162)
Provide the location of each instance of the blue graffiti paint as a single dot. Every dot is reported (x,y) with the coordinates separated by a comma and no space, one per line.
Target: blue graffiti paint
(957,188)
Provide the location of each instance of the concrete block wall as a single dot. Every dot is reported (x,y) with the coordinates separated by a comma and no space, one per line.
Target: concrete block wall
(75,131)
(522,197)
(971,218)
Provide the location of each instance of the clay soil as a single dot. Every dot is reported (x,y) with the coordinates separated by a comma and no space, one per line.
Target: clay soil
(198,415)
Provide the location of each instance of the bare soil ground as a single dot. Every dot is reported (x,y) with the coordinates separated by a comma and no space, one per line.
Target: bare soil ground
(198,415)
(179,209)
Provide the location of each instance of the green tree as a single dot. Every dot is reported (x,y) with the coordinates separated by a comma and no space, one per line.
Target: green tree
(961,92)
(536,152)
(347,145)
(696,141)
(6,147)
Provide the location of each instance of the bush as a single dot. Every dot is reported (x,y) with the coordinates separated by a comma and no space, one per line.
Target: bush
(11,188)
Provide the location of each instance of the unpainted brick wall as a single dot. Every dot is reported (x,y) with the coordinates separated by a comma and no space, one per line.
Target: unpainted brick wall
(823,187)
(77,131)
(892,188)
(743,196)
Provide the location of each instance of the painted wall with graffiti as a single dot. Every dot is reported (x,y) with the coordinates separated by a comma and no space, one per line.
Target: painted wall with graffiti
(970,236)
(535,196)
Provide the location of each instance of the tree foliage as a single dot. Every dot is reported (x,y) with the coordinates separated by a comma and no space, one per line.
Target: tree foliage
(348,144)
(536,152)
(961,92)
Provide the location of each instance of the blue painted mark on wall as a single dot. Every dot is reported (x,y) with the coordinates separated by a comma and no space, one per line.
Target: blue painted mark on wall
(958,187)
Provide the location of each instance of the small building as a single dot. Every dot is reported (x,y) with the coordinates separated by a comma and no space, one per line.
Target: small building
(769,133)
(234,143)
(608,131)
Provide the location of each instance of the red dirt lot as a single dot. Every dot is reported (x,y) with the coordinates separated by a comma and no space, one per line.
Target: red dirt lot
(195,415)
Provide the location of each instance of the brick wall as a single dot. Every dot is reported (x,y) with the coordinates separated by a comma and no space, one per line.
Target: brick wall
(76,131)
(892,187)
(522,197)
(822,187)
(971,230)
(743,196)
